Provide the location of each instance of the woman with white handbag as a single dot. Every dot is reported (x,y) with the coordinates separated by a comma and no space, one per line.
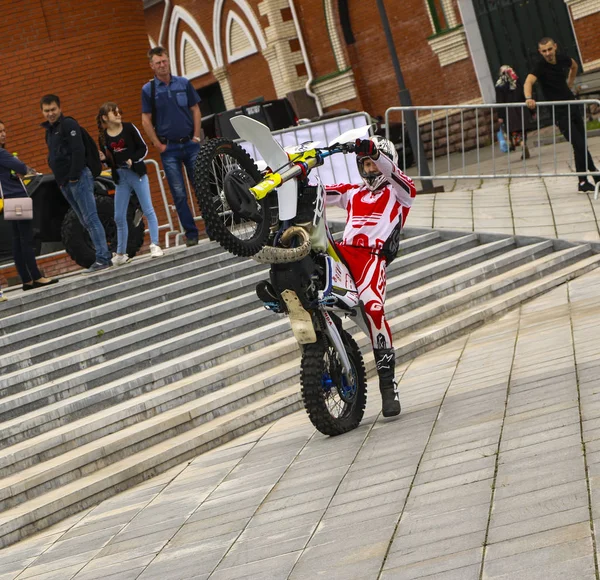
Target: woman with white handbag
(18,209)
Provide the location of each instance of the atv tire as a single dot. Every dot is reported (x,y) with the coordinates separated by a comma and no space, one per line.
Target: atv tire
(77,241)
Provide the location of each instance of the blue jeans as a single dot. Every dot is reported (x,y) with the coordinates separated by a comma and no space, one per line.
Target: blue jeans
(130,181)
(174,156)
(80,196)
(22,250)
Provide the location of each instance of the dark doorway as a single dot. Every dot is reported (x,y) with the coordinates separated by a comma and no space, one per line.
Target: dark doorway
(212,100)
(511,29)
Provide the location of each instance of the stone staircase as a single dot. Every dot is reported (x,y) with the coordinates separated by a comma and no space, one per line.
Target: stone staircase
(109,379)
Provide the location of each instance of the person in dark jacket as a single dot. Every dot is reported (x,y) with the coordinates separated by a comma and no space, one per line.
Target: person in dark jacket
(124,150)
(11,186)
(517,121)
(66,158)
(556,73)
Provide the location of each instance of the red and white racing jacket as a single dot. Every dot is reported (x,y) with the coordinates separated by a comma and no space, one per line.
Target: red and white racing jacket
(374,216)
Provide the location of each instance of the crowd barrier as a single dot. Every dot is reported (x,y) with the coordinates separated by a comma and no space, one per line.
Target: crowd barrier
(460,141)
(336,169)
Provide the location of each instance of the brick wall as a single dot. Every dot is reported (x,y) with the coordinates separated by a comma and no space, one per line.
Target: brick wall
(429,83)
(586,30)
(85,52)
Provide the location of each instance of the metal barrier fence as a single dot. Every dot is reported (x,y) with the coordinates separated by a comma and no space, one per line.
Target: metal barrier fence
(337,169)
(462,140)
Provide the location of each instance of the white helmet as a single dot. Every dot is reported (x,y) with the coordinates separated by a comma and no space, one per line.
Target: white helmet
(375,179)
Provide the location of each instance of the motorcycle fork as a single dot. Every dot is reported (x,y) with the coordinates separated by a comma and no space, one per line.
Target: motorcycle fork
(335,338)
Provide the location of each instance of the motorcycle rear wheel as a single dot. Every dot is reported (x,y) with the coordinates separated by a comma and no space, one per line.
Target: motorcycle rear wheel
(334,405)
(241,235)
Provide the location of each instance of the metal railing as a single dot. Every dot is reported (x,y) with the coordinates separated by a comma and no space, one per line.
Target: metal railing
(461,150)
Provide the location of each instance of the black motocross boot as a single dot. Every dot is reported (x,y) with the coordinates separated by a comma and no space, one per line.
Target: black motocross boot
(385,359)
(266,293)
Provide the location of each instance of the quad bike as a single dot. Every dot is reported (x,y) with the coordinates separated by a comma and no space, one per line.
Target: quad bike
(278,218)
(56,226)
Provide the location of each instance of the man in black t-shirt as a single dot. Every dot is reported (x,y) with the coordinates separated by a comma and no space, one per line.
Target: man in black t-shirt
(556,74)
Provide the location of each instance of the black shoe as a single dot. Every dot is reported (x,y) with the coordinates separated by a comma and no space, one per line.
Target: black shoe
(266,292)
(189,242)
(28,287)
(586,187)
(37,284)
(98,266)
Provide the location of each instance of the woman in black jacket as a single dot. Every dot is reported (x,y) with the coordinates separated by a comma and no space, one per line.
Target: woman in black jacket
(509,89)
(11,168)
(124,151)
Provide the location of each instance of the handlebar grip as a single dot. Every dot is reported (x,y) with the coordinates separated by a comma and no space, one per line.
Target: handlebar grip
(267,185)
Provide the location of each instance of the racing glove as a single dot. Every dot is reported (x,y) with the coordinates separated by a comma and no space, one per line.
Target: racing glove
(365,148)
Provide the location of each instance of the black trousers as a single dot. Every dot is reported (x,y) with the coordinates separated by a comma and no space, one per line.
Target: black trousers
(23,252)
(574,132)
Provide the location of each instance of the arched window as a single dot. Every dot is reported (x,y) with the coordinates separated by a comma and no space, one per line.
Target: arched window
(442,15)
(239,41)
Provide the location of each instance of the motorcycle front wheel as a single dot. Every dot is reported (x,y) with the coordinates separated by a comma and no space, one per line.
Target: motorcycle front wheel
(233,217)
(335,404)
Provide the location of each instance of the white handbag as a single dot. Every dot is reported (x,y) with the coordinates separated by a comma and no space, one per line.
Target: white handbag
(17,208)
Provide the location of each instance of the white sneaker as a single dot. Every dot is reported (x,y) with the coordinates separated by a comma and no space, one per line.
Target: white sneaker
(155,251)
(120,259)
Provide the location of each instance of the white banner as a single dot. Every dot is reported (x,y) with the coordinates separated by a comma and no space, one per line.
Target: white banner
(337,168)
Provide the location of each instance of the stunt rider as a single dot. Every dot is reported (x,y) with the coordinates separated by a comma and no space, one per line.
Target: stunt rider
(376,212)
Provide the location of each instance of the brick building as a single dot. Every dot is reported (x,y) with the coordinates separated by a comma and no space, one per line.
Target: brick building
(235,51)
(449,49)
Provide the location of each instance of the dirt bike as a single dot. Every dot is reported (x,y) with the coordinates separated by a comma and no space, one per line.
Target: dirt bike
(278,218)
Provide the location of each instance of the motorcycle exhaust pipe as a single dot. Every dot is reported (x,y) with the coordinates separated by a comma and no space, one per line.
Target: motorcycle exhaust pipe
(281,255)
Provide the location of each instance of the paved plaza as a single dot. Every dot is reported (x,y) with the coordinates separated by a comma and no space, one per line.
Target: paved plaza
(491,471)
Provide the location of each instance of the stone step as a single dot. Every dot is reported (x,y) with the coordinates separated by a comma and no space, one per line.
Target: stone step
(452,296)
(33,398)
(437,251)
(214,303)
(93,334)
(395,307)
(75,285)
(436,282)
(147,369)
(44,330)
(86,458)
(449,328)
(211,268)
(51,507)
(28,447)
(421,318)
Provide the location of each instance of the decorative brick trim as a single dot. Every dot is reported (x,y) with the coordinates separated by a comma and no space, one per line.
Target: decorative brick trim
(193,63)
(283,61)
(450,47)
(591,65)
(334,37)
(222,75)
(238,40)
(583,8)
(336,89)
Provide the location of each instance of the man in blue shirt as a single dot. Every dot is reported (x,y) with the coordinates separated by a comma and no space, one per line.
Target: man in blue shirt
(175,131)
